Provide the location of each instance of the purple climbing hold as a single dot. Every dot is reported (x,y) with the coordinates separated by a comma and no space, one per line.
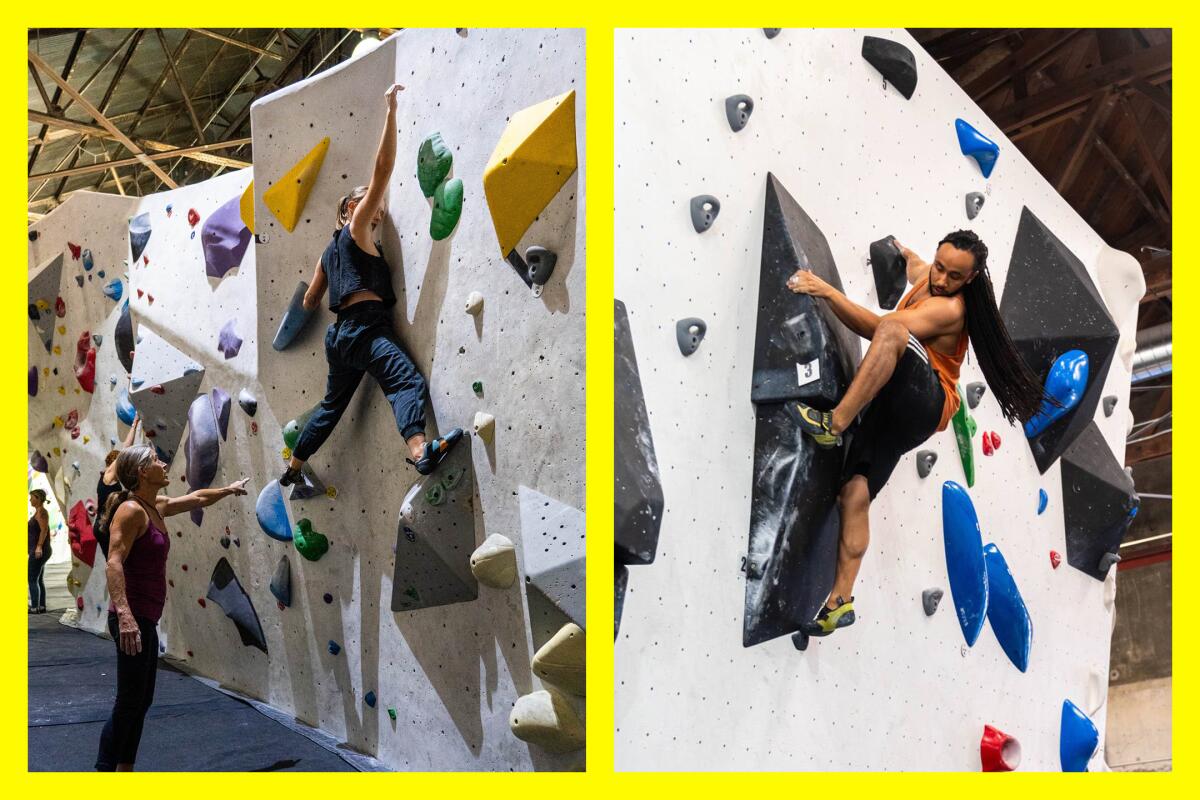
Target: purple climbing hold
(225,238)
(33,381)
(220,407)
(38,462)
(229,342)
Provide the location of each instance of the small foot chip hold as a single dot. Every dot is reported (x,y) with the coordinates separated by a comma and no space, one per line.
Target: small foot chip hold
(563,660)
(494,563)
(546,719)
(974,204)
(485,426)
(925,461)
(334,648)
(738,109)
(474,303)
(771,33)
(1107,561)
(800,640)
(689,333)
(540,263)
(930,599)
(975,392)
(998,751)
(1043,500)
(704,209)
(1110,403)
(1055,559)
(309,543)
(248,402)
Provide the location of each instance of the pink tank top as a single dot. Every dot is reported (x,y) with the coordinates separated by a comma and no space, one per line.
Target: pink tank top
(146,573)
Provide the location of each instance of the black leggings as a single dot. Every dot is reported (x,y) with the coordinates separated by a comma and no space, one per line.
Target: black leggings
(135,692)
(37,586)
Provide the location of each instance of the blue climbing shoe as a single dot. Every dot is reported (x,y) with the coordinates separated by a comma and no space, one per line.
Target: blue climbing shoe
(830,619)
(817,424)
(436,451)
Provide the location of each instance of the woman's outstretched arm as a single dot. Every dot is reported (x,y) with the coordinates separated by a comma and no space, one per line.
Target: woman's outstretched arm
(385,160)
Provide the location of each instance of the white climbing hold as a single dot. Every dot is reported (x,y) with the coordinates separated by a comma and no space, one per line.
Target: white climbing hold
(1110,591)
(1097,691)
(563,660)
(474,303)
(546,719)
(485,426)
(494,563)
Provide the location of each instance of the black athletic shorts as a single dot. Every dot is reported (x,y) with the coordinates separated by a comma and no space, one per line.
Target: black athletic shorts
(904,414)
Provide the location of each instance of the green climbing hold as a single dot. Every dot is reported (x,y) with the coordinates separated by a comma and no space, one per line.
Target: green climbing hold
(291,431)
(309,543)
(453,478)
(412,592)
(447,208)
(477,388)
(433,163)
(435,495)
(964,429)
(392,714)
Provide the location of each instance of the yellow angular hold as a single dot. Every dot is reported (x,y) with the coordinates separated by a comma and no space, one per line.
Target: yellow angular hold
(62,390)
(58,422)
(42,305)
(286,453)
(57,350)
(247,206)
(533,159)
(86,439)
(286,198)
(331,492)
(45,371)
(62,328)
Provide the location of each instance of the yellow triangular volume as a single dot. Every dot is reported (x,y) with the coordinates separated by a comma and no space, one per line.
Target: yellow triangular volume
(533,159)
(247,207)
(287,197)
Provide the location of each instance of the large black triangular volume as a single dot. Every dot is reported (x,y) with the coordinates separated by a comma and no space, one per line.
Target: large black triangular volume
(1098,501)
(639,495)
(1050,306)
(894,61)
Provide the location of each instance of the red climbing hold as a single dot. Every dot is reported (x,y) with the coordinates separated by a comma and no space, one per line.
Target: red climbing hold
(140,293)
(203,604)
(157,389)
(75,433)
(60,308)
(146,260)
(987,444)
(79,602)
(185,567)
(149,433)
(1055,559)
(150,298)
(998,751)
(995,440)
(76,249)
(190,654)
(193,217)
(85,362)
(254,428)
(72,420)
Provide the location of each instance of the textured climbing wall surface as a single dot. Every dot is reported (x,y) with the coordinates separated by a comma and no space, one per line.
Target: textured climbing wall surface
(864,163)
(451,672)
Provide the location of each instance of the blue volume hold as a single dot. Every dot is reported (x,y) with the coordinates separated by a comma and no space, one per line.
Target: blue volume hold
(964,560)
(272,514)
(1043,499)
(125,409)
(1006,610)
(1077,739)
(1066,383)
(113,290)
(975,144)
(294,319)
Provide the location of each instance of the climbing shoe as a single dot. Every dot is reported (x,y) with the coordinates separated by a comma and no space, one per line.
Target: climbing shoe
(816,424)
(435,452)
(830,619)
(290,476)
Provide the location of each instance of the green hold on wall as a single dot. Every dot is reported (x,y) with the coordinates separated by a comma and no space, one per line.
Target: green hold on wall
(309,543)
(447,208)
(433,163)
(291,431)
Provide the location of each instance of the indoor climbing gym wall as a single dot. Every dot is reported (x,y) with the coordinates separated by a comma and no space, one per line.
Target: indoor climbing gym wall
(435,623)
(985,600)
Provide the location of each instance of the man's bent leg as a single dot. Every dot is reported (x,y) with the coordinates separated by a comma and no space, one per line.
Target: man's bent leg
(887,345)
(855,503)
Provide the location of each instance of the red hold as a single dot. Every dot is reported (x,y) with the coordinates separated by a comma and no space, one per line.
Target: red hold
(1055,559)
(203,604)
(157,389)
(987,444)
(193,217)
(76,249)
(79,534)
(85,362)
(150,299)
(146,260)
(60,308)
(998,751)
(995,440)
(140,293)
(79,602)
(72,420)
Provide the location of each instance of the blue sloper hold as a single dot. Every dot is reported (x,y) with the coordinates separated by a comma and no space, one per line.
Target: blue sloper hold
(975,144)
(1043,499)
(894,61)
(1006,611)
(294,319)
(125,409)
(1066,382)
(201,448)
(113,290)
(272,513)
(225,590)
(139,235)
(964,560)
(281,583)
(220,407)
(1078,739)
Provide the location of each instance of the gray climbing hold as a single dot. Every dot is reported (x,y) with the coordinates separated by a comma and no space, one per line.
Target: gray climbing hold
(546,719)
(890,269)
(974,204)
(97,339)
(930,599)
(738,109)
(541,266)
(689,333)
(294,320)
(704,209)
(225,590)
(975,392)
(248,402)
(308,486)
(281,583)
(772,32)
(925,461)
(1107,560)
(552,538)
(1110,403)
(894,61)
(494,563)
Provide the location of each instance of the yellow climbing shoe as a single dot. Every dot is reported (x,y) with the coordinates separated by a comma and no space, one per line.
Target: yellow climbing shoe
(817,424)
(829,620)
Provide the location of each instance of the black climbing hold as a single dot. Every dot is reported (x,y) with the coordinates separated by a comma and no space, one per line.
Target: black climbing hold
(975,392)
(123,335)
(619,600)
(704,208)
(281,583)
(541,264)
(800,640)
(1110,402)
(930,599)
(974,204)
(689,333)
(738,109)
(894,61)
(925,461)
(33,235)
(225,590)
(328,598)
(639,496)
(225,542)
(891,271)
(772,32)
(1099,502)
(520,267)
(801,352)
(1050,306)
(1107,560)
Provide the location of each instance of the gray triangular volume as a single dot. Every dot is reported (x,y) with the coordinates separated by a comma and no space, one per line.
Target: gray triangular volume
(139,235)
(225,590)
(123,336)
(639,495)
(552,538)
(43,294)
(1099,502)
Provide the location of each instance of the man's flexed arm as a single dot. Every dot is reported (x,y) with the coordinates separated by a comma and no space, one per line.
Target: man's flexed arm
(859,319)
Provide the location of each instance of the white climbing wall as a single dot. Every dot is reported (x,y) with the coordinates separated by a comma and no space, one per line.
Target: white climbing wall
(898,690)
(451,672)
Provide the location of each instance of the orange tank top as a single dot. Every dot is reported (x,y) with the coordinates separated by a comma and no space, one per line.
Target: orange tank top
(946,366)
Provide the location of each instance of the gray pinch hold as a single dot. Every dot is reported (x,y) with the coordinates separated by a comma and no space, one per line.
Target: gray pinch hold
(925,461)
(930,599)
(1110,403)
(690,332)
(705,208)
(540,263)
(772,32)
(738,108)
(975,391)
(974,204)
(1107,560)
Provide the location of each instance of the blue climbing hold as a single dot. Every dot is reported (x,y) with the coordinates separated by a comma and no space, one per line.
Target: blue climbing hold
(1077,739)
(1006,610)
(113,290)
(1043,499)
(334,647)
(272,513)
(294,319)
(964,560)
(1066,383)
(125,409)
(88,261)
(369,699)
(975,144)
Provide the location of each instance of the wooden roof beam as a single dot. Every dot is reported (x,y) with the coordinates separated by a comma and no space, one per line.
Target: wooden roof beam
(170,152)
(1042,48)
(237,43)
